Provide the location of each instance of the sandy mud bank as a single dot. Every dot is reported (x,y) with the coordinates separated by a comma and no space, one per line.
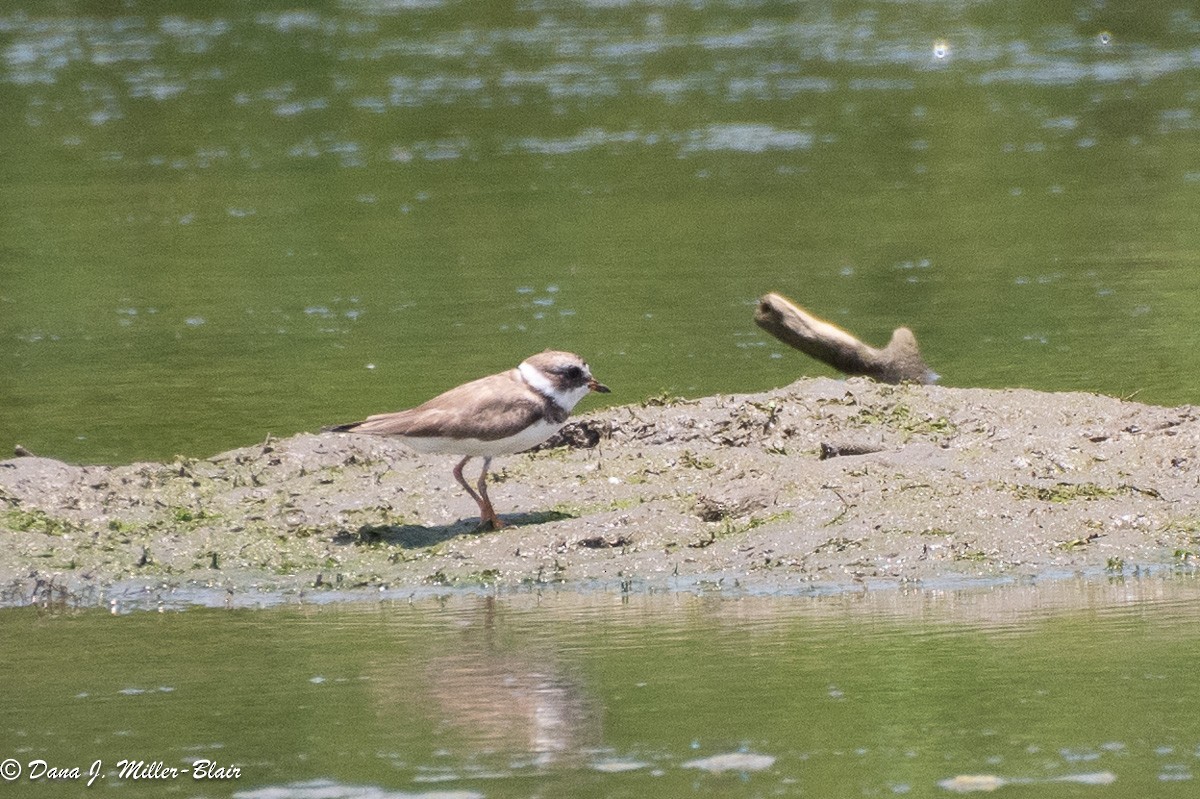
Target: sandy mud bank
(821,485)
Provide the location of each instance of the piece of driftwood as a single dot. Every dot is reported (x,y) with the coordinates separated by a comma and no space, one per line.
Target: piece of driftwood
(898,362)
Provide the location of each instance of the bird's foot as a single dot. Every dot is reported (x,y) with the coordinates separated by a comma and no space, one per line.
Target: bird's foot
(489,523)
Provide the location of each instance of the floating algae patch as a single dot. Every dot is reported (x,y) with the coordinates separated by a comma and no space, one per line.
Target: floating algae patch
(985,783)
(733,761)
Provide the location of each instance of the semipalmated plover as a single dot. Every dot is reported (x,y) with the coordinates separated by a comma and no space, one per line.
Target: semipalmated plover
(495,415)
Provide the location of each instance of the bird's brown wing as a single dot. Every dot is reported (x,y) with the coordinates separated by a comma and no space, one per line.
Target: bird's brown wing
(489,408)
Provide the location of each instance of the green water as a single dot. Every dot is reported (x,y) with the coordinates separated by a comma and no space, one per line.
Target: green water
(221,220)
(227,219)
(561,695)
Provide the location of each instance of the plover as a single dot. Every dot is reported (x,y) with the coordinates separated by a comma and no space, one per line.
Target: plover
(496,415)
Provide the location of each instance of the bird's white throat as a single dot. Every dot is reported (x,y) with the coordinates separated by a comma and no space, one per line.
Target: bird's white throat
(544,386)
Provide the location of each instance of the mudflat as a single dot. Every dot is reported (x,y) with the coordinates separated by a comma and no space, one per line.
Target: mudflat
(822,485)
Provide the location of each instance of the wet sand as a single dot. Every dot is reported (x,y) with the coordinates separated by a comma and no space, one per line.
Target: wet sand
(823,486)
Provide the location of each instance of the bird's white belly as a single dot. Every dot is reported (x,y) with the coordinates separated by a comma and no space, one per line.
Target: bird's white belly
(529,437)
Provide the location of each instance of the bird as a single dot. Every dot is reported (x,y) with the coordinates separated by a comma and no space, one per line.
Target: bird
(500,414)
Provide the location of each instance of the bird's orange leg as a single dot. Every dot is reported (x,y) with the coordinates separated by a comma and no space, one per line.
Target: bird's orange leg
(488,514)
(488,520)
(458,475)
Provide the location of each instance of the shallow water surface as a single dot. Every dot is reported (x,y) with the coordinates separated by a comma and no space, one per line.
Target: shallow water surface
(229,219)
(1055,689)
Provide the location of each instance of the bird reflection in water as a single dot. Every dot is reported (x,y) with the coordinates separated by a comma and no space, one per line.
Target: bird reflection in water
(496,695)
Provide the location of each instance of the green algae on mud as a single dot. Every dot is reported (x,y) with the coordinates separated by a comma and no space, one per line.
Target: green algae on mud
(735,491)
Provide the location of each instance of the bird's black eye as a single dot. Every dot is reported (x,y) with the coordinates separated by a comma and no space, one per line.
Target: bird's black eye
(573,373)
